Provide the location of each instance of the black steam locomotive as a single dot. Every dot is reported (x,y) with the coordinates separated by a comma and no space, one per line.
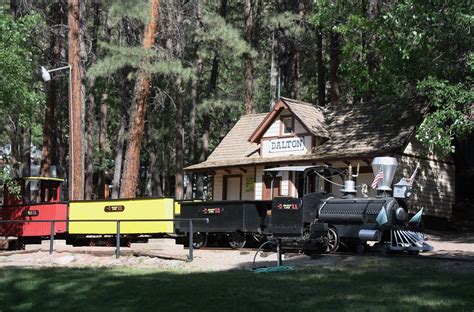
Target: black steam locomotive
(320,222)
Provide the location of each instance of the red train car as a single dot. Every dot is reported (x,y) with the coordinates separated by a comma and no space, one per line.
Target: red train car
(44,203)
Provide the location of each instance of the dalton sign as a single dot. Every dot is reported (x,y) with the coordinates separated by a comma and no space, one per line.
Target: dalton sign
(286,145)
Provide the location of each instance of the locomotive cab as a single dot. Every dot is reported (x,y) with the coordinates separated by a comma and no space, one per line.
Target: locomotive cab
(294,220)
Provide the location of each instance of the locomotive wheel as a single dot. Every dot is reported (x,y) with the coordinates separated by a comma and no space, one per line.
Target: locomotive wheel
(199,240)
(92,242)
(333,240)
(236,240)
(109,242)
(360,248)
(385,249)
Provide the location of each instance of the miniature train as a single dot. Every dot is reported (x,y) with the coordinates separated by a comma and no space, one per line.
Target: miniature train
(319,222)
(48,206)
(315,223)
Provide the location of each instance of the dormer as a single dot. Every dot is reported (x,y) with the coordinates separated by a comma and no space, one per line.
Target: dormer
(291,128)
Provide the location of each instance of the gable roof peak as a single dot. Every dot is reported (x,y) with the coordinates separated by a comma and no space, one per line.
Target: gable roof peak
(310,116)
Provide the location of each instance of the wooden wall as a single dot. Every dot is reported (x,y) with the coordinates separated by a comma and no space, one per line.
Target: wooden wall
(434,187)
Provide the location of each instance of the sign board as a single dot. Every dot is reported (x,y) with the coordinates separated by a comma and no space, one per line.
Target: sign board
(116,208)
(249,181)
(286,145)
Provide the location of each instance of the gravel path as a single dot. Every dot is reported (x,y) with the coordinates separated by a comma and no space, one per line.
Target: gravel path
(453,248)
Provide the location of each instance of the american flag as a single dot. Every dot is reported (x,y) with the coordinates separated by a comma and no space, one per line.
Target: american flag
(378,178)
(412,178)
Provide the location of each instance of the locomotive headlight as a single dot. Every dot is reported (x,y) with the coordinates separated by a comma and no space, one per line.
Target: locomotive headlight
(401,214)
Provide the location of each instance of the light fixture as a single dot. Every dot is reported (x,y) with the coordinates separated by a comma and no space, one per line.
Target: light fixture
(45,75)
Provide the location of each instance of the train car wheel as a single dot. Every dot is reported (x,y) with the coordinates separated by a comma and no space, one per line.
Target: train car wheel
(199,240)
(333,240)
(92,242)
(236,240)
(18,244)
(109,242)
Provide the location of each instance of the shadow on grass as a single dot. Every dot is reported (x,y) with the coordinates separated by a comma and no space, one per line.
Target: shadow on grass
(382,284)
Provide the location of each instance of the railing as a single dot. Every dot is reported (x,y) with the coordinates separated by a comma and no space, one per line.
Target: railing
(117,241)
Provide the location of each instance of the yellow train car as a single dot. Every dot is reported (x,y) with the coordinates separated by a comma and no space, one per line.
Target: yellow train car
(122,209)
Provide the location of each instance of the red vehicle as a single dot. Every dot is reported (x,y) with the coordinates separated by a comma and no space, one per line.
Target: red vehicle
(43,203)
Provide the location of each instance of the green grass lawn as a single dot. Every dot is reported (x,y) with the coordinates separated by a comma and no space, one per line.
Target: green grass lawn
(374,284)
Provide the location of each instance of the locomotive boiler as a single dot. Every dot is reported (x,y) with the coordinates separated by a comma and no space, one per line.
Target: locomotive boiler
(321,222)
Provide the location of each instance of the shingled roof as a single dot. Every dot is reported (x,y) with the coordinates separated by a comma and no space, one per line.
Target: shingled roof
(235,144)
(354,130)
(310,115)
(369,128)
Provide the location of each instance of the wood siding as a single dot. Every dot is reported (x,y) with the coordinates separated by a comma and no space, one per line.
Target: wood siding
(434,187)
(218,185)
(259,183)
(284,184)
(274,130)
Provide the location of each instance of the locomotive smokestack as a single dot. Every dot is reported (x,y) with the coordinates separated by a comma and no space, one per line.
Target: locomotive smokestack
(388,165)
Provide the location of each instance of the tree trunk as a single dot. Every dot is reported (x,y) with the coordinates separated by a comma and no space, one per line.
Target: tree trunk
(320,67)
(118,158)
(104,147)
(274,70)
(52,93)
(334,53)
(194,102)
(13,8)
(179,187)
(26,171)
(91,116)
(103,144)
(204,153)
(295,73)
(76,162)
(372,60)
(15,154)
(142,88)
(156,189)
(61,142)
(248,58)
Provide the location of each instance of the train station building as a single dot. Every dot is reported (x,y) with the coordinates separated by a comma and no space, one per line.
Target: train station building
(296,133)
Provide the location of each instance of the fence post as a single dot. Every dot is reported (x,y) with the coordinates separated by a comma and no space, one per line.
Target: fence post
(191,242)
(117,243)
(51,238)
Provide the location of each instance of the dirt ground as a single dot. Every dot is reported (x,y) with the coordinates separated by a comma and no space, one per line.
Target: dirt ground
(457,251)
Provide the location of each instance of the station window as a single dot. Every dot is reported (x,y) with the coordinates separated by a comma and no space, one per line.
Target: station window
(288,125)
